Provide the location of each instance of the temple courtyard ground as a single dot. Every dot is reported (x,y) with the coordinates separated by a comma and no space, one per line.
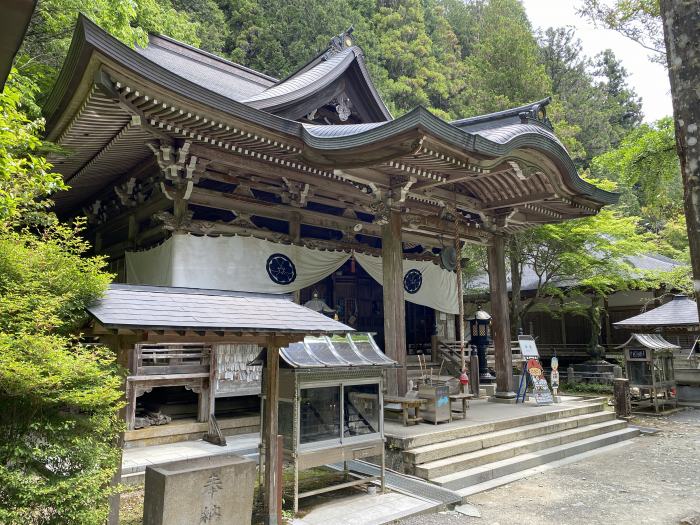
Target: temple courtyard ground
(652,479)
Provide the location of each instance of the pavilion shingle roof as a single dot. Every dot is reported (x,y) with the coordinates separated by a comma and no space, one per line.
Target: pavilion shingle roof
(680,311)
(156,307)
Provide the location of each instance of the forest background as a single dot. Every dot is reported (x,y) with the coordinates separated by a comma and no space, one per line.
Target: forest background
(457,58)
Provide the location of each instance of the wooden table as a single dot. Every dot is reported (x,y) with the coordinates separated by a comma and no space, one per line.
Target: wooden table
(464,398)
(407,403)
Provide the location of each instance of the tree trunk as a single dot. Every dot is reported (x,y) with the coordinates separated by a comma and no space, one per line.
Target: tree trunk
(681,23)
(516,283)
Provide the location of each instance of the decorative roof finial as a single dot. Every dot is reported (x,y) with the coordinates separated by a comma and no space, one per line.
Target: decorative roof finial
(340,42)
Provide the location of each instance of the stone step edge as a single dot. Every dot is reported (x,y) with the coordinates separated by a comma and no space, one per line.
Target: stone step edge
(509,478)
(593,417)
(613,425)
(568,449)
(430,438)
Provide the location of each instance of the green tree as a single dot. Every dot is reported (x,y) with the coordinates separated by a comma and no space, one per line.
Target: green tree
(504,68)
(646,169)
(638,20)
(58,398)
(586,255)
(623,106)
(25,176)
(51,30)
(594,98)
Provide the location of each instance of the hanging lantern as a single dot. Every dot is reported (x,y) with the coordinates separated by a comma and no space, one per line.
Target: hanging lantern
(464,378)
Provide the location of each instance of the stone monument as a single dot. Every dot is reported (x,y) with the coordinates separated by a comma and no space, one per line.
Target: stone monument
(213,490)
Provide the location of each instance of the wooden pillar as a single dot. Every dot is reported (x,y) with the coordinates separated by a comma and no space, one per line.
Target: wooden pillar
(273,483)
(500,317)
(123,348)
(394,308)
(295,235)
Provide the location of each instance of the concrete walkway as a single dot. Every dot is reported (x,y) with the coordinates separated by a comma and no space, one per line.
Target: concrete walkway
(135,460)
(482,412)
(366,509)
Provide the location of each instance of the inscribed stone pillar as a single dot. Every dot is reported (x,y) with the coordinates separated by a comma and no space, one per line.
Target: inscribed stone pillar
(500,317)
(394,308)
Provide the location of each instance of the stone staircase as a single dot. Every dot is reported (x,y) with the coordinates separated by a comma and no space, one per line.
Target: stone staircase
(475,458)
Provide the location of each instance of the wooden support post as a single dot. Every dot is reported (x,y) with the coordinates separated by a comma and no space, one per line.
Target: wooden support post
(460,299)
(295,236)
(273,483)
(394,308)
(623,405)
(123,348)
(500,320)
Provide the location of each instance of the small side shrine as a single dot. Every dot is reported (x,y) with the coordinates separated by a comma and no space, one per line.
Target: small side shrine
(649,365)
(166,335)
(330,407)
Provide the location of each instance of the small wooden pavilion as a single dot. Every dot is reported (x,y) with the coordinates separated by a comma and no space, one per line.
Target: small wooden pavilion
(132,318)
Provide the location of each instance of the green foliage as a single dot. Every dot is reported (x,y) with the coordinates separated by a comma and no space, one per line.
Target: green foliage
(58,421)
(585,388)
(58,398)
(646,168)
(592,102)
(504,68)
(51,29)
(25,176)
(638,20)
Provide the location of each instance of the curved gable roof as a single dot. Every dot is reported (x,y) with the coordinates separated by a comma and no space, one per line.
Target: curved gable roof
(342,72)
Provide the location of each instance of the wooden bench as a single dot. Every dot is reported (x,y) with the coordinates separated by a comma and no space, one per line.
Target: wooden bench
(406,403)
(464,398)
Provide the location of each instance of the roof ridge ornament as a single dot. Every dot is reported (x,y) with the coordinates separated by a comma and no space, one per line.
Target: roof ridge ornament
(342,41)
(538,113)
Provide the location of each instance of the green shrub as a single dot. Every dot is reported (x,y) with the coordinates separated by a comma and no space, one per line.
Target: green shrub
(585,388)
(58,398)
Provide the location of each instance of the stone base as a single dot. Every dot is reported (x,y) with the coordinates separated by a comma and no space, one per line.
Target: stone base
(489,390)
(500,398)
(212,489)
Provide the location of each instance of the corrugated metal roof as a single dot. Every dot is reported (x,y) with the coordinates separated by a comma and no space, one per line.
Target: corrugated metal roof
(680,311)
(353,350)
(652,341)
(156,307)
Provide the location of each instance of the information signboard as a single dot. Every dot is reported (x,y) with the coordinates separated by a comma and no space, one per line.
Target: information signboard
(528,347)
(540,388)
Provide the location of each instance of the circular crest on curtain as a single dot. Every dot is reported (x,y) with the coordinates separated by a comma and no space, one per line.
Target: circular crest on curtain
(412,281)
(281,269)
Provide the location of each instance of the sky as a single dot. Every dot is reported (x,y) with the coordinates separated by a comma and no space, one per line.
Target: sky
(649,80)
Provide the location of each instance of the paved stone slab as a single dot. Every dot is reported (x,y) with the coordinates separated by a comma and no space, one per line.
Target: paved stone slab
(365,509)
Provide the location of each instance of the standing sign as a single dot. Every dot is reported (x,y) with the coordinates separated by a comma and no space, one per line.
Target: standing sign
(540,388)
(528,348)
(554,378)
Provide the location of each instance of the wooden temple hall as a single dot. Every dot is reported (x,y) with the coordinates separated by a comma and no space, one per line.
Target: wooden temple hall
(195,172)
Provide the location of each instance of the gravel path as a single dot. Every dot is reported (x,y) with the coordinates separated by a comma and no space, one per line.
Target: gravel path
(654,480)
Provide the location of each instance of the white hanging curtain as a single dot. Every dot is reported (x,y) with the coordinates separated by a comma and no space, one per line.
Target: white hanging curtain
(153,267)
(425,283)
(244,264)
(247,264)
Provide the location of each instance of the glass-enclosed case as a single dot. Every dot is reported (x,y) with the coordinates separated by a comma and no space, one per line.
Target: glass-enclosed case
(649,364)
(330,407)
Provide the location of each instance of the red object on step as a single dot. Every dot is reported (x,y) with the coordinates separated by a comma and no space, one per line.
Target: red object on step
(464,378)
